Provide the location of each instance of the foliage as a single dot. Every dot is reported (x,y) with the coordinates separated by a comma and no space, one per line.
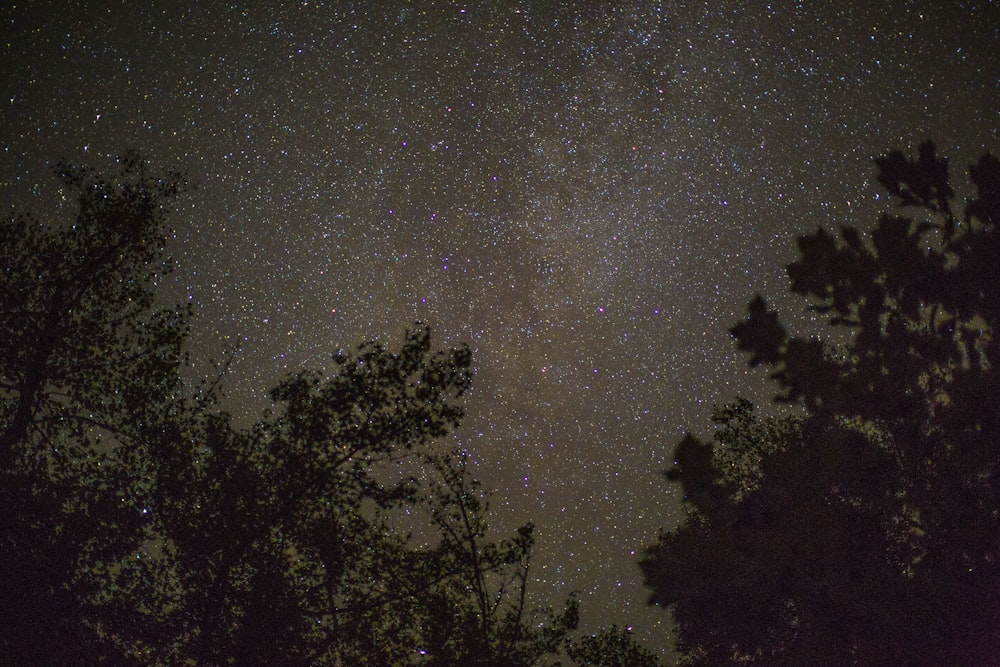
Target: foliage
(612,647)
(88,371)
(142,526)
(869,533)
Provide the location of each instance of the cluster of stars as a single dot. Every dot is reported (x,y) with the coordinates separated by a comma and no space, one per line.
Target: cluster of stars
(589,195)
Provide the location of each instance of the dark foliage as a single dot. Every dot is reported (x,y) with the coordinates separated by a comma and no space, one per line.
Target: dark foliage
(867,532)
(613,647)
(141,526)
(88,376)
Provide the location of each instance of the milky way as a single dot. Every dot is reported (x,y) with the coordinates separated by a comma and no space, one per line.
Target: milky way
(589,195)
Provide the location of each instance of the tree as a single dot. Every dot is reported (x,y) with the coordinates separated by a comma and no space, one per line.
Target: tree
(278,535)
(283,538)
(143,527)
(868,531)
(489,595)
(612,647)
(88,372)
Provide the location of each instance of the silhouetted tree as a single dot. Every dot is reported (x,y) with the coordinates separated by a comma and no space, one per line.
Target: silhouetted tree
(282,538)
(489,595)
(278,536)
(88,376)
(612,647)
(866,532)
(142,526)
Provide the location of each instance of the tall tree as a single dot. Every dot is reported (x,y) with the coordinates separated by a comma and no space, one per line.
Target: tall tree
(869,533)
(88,373)
(284,542)
(490,594)
(142,526)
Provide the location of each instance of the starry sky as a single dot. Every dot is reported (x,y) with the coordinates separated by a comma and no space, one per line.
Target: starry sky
(587,193)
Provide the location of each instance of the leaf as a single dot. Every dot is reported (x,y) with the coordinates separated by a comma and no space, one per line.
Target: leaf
(922,182)
(760,333)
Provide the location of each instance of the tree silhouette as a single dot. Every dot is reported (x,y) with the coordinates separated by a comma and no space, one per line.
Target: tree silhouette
(867,532)
(286,551)
(142,526)
(613,647)
(88,374)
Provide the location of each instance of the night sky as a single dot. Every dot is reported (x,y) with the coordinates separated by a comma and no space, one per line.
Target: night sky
(588,195)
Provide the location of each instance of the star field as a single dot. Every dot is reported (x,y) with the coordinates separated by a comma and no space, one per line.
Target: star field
(588,194)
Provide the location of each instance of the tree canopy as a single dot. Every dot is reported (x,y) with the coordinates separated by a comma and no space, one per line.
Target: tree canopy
(865,532)
(142,526)
(89,377)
